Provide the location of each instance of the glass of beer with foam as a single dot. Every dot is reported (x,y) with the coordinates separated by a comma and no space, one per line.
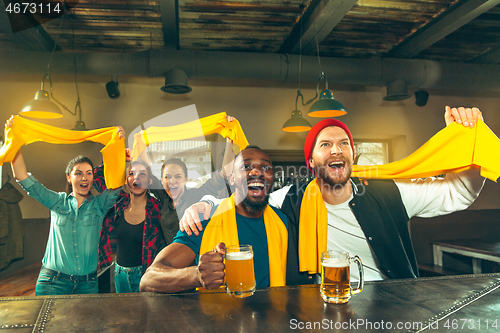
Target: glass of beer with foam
(335,282)
(240,276)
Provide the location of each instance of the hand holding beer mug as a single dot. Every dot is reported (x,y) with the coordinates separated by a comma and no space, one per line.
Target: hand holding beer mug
(335,281)
(240,276)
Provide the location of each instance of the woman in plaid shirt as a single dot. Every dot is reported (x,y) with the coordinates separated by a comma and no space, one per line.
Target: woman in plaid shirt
(131,228)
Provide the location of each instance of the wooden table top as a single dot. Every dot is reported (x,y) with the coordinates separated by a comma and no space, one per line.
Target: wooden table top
(414,304)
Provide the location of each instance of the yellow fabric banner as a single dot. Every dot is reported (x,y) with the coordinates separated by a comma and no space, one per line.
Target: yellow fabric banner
(453,149)
(216,123)
(25,131)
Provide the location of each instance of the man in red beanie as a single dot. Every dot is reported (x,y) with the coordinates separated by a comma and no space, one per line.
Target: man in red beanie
(367,218)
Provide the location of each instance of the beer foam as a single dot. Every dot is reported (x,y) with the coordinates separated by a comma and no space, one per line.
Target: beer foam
(239,256)
(335,262)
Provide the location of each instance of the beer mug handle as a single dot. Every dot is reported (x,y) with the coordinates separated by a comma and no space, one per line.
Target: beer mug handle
(361,281)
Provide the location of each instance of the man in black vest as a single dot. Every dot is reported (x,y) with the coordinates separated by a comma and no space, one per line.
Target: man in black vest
(367,218)
(370,218)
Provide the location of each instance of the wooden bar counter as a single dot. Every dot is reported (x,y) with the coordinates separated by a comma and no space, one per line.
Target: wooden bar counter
(436,304)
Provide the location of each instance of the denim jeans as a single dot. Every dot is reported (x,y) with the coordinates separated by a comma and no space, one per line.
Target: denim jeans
(127,279)
(50,284)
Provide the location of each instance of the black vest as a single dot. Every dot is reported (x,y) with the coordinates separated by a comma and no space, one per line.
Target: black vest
(382,216)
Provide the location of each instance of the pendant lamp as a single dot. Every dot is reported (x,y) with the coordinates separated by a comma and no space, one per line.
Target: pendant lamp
(326,106)
(41,106)
(296,123)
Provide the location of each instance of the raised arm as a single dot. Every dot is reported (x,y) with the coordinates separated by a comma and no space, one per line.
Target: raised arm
(18,166)
(431,197)
(99,181)
(227,160)
(170,271)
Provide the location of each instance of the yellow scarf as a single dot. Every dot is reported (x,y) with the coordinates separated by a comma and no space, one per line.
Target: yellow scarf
(216,123)
(313,224)
(223,228)
(25,131)
(455,148)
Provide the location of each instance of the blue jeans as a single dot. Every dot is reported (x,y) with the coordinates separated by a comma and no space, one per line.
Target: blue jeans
(55,283)
(127,279)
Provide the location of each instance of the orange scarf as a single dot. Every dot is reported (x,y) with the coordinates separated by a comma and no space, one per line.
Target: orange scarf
(25,131)
(223,228)
(454,149)
(216,123)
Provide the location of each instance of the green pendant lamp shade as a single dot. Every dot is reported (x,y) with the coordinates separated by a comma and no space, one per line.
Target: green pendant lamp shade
(41,107)
(296,123)
(79,126)
(326,106)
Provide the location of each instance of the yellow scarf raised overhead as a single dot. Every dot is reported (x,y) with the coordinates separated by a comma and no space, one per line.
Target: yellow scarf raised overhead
(455,148)
(216,123)
(24,132)
(223,228)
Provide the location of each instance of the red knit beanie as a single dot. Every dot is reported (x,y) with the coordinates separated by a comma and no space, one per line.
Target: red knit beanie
(313,134)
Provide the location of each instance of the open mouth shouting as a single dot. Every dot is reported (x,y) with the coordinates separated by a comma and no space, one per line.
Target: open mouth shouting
(256,187)
(337,166)
(136,185)
(83,188)
(335,171)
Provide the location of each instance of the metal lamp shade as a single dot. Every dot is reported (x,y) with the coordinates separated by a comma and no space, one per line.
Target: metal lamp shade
(326,106)
(397,91)
(296,123)
(41,107)
(79,126)
(176,82)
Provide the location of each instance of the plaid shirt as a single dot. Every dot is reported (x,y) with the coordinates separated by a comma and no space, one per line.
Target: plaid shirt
(153,240)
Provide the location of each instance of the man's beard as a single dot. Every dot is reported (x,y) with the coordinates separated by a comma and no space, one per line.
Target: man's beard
(256,206)
(322,172)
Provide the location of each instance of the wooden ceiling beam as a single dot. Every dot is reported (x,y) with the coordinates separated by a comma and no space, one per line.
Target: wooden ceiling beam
(490,57)
(454,18)
(170,23)
(317,22)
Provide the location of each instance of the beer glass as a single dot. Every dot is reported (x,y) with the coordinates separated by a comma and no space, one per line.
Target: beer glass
(240,276)
(335,282)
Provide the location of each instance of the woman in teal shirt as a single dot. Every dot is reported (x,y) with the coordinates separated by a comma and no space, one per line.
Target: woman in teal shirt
(70,261)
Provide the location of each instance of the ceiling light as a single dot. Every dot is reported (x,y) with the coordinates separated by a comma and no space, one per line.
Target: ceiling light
(41,106)
(326,106)
(176,82)
(397,91)
(296,123)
